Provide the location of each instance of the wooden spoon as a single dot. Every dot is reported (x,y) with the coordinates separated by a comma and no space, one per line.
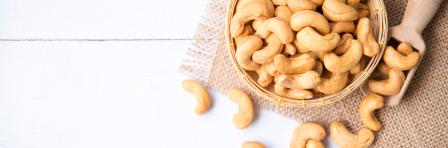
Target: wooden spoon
(417,15)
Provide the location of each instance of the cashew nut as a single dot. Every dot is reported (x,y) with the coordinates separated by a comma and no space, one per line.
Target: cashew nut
(246,32)
(338,11)
(277,27)
(267,53)
(307,132)
(293,93)
(363,10)
(245,115)
(365,36)
(368,105)
(203,99)
(300,5)
(334,84)
(396,60)
(344,138)
(307,80)
(389,86)
(289,49)
(302,19)
(340,64)
(353,3)
(279,2)
(284,13)
(253,144)
(296,64)
(264,78)
(321,54)
(344,44)
(340,27)
(317,2)
(319,67)
(359,67)
(248,45)
(309,39)
(269,4)
(404,48)
(314,144)
(256,9)
(383,68)
(270,69)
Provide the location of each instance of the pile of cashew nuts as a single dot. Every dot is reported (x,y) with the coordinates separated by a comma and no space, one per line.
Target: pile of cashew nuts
(300,48)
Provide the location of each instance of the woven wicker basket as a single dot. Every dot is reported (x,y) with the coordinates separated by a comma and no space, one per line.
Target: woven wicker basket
(379,24)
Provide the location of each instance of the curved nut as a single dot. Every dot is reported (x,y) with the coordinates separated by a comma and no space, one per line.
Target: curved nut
(289,49)
(264,78)
(396,60)
(256,9)
(340,64)
(338,11)
(390,86)
(405,48)
(267,53)
(203,99)
(302,19)
(284,13)
(317,2)
(321,54)
(279,2)
(244,51)
(246,32)
(296,64)
(269,4)
(383,68)
(307,80)
(363,10)
(344,44)
(300,5)
(340,27)
(277,27)
(368,105)
(253,144)
(313,41)
(245,115)
(353,3)
(344,138)
(314,144)
(298,94)
(334,84)
(359,67)
(306,132)
(365,36)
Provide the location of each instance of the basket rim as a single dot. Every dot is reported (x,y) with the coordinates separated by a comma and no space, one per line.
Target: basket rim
(380,30)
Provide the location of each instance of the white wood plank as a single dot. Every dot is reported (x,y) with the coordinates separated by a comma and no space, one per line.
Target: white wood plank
(115,95)
(21,19)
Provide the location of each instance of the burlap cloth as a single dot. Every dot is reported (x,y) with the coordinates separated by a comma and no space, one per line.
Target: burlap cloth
(421,120)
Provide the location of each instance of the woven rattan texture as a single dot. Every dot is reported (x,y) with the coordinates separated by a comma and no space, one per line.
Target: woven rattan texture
(421,120)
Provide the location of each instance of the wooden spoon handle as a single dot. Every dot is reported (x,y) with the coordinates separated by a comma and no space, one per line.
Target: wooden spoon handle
(419,13)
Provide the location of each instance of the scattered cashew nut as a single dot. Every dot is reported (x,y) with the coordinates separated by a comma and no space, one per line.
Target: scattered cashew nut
(309,39)
(278,27)
(307,132)
(337,11)
(203,99)
(390,86)
(334,84)
(244,51)
(302,19)
(253,144)
(295,64)
(307,80)
(340,64)
(245,115)
(368,105)
(365,36)
(344,138)
(396,60)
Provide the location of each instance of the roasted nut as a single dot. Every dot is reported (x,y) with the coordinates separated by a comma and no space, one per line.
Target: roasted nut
(344,138)
(368,105)
(345,62)
(390,86)
(310,40)
(307,80)
(307,132)
(244,51)
(277,27)
(292,93)
(252,10)
(396,60)
(338,11)
(365,36)
(203,99)
(302,19)
(267,53)
(296,64)
(245,115)
(334,84)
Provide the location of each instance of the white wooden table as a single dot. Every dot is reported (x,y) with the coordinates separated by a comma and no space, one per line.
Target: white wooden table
(102,73)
